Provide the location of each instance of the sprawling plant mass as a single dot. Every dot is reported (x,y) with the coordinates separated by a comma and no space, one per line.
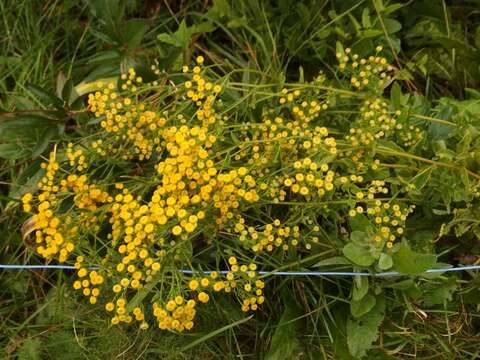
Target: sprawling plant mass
(185,185)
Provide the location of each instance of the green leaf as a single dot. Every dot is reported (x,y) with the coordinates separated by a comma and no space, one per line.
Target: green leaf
(438,294)
(285,343)
(11,151)
(359,237)
(360,223)
(369,33)
(26,128)
(358,255)
(133,31)
(237,22)
(44,96)
(220,8)
(335,260)
(392,8)
(360,287)
(366,23)
(362,332)
(409,262)
(362,306)
(68,92)
(182,36)
(396,95)
(339,48)
(106,56)
(392,26)
(355,23)
(385,261)
(402,284)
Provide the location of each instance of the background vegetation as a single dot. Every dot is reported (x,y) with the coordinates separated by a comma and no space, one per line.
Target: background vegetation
(48,46)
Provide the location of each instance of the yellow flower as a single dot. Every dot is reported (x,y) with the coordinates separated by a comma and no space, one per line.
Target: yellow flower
(177,230)
(203,297)
(193,285)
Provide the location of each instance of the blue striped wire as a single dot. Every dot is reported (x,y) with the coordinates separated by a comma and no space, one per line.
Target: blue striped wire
(276,273)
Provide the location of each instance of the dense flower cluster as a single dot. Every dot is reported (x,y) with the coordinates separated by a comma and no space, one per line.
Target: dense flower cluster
(173,175)
(374,70)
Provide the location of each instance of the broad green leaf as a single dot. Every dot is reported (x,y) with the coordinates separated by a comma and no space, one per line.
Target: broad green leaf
(336,260)
(385,261)
(358,308)
(358,254)
(44,96)
(359,223)
(359,237)
(362,332)
(409,262)
(133,31)
(360,287)
(392,25)
(438,294)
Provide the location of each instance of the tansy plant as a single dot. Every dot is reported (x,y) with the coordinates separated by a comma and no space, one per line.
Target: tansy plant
(175,176)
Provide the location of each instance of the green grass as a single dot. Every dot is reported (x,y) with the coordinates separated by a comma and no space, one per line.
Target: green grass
(42,318)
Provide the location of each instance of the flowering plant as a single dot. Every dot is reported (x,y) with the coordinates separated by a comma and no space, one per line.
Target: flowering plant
(182,188)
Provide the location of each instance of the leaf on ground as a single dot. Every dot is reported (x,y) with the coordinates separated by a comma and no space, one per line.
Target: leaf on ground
(440,293)
(358,308)
(362,332)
